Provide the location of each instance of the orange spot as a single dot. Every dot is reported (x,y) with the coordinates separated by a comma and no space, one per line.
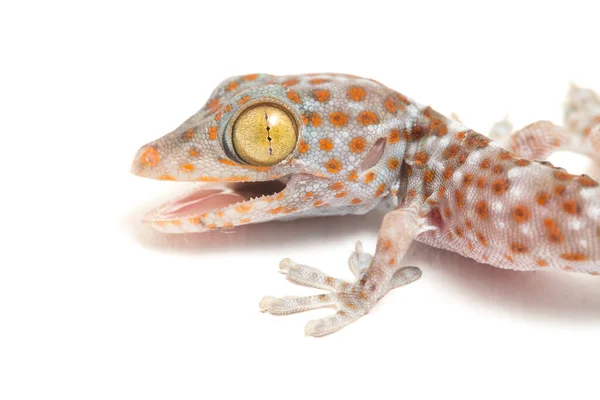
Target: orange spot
(207,179)
(554,234)
(366,118)
(391,104)
(187,168)
(542,198)
(250,77)
(279,196)
(303,147)
(481,209)
(243,100)
(499,186)
(518,248)
(505,155)
(586,181)
(338,119)
(573,257)
(461,135)
(357,145)
(150,157)
(214,105)
(189,135)
(212,132)
(194,152)
(485,164)
(326,145)
(559,189)
(570,206)
(336,186)
(380,190)
(394,136)
(219,115)
(353,176)
(228,162)
(482,239)
(369,176)
(308,195)
(276,210)
(290,82)
(318,81)
(508,257)
(211,226)
(341,194)
(194,220)
(321,95)
(498,169)
(468,179)
(460,198)
(228,225)
(317,203)
(167,178)
(392,261)
(520,214)
(451,151)
(567,268)
(420,158)
(448,172)
(541,263)
(481,181)
(393,163)
(334,165)
(563,176)
(243,208)
(356,93)
(427,177)
(293,96)
(356,201)
(522,162)
(244,220)
(232,86)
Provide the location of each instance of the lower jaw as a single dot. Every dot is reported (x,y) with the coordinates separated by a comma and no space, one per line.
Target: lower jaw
(191,212)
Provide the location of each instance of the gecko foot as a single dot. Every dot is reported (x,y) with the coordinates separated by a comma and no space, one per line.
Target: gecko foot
(350,300)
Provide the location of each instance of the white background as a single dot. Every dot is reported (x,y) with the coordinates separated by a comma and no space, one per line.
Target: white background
(95,306)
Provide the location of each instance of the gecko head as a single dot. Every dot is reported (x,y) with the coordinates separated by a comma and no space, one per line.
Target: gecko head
(275,148)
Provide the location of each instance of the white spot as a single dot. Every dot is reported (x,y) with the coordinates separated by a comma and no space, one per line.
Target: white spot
(525,229)
(497,206)
(583,243)
(575,225)
(474,158)
(501,225)
(593,212)
(588,193)
(457,176)
(443,142)
(516,172)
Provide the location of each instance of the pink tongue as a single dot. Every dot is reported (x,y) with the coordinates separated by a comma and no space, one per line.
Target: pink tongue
(197,203)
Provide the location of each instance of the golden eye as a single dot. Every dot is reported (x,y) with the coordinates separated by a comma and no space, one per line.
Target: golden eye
(264,135)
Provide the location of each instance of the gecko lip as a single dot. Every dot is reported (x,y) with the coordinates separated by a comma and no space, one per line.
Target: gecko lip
(212,198)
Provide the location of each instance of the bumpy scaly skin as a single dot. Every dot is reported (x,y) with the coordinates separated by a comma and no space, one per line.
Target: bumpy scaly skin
(361,144)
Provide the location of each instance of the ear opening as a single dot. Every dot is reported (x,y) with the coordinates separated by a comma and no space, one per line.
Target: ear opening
(374,155)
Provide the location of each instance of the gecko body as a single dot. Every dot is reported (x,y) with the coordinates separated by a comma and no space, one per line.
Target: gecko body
(285,147)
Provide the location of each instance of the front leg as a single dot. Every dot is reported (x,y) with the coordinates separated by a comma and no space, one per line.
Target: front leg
(353,300)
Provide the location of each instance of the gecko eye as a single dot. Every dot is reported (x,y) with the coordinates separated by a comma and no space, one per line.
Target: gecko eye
(264,135)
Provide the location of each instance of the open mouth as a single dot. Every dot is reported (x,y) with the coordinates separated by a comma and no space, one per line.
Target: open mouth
(212,206)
